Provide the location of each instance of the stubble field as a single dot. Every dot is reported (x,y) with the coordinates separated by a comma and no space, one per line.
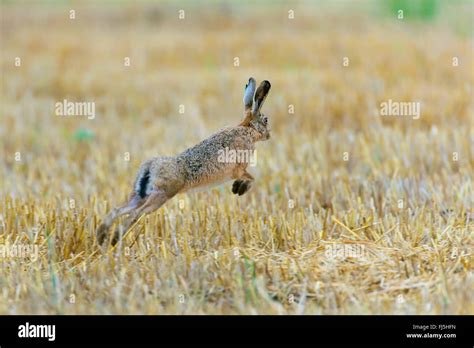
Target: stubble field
(351,212)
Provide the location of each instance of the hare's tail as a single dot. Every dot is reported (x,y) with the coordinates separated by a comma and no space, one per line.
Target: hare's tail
(142,187)
(143,183)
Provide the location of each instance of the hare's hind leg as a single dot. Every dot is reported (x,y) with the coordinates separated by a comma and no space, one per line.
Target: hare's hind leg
(131,205)
(154,201)
(242,184)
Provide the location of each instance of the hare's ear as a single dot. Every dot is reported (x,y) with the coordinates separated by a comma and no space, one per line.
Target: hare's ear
(248,94)
(260,95)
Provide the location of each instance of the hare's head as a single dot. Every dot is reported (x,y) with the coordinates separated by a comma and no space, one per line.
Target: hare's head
(253,101)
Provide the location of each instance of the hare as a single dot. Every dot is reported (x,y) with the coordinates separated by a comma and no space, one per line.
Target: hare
(161,178)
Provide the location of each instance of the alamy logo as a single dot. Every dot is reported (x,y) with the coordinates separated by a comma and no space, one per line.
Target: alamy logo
(395,108)
(17,251)
(237,156)
(344,251)
(34,331)
(69,108)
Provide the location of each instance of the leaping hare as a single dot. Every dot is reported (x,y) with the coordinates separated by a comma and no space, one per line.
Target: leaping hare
(161,178)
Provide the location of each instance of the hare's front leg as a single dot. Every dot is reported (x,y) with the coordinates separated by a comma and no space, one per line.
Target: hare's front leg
(242,184)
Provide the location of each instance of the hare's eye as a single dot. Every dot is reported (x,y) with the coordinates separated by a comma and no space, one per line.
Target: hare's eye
(265,120)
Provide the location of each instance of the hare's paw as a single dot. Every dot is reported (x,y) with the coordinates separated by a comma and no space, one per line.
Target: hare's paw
(236,185)
(102,233)
(241,186)
(116,236)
